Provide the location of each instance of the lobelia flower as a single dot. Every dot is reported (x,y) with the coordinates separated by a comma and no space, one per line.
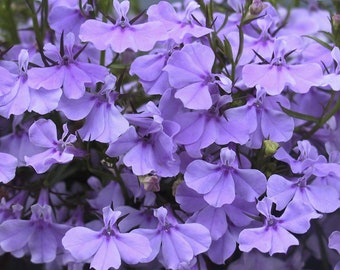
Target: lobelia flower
(94,106)
(39,235)
(43,133)
(213,126)
(282,74)
(149,69)
(178,26)
(190,74)
(271,122)
(220,183)
(67,17)
(274,236)
(122,35)
(67,71)
(308,189)
(175,244)
(152,149)
(22,97)
(108,247)
(8,165)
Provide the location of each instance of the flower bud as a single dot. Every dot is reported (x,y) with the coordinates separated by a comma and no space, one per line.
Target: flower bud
(270,147)
(256,7)
(150,182)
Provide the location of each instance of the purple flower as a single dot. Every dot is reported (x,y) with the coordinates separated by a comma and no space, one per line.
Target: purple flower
(94,106)
(274,236)
(190,74)
(43,133)
(220,183)
(39,235)
(282,74)
(8,166)
(212,126)
(22,97)
(308,189)
(178,26)
(175,244)
(68,72)
(122,35)
(272,122)
(108,247)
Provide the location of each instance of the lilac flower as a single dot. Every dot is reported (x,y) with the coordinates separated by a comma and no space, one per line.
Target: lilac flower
(212,126)
(8,166)
(22,97)
(272,122)
(39,235)
(175,244)
(122,35)
(334,243)
(152,149)
(274,236)
(43,133)
(178,26)
(220,183)
(190,74)
(282,74)
(94,106)
(108,247)
(67,17)
(149,69)
(308,189)
(68,72)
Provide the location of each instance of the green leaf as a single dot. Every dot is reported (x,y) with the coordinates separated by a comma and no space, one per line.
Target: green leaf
(298,115)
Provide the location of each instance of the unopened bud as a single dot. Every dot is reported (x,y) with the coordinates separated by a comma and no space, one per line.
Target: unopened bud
(150,182)
(270,147)
(256,7)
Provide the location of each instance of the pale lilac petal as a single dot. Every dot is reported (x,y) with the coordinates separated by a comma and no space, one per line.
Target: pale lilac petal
(107,256)
(142,66)
(222,249)
(155,239)
(305,80)
(277,126)
(323,198)
(195,96)
(223,192)
(334,241)
(214,219)
(249,183)
(15,234)
(190,200)
(175,249)
(202,176)
(254,74)
(7,167)
(298,223)
(281,240)
(98,33)
(43,245)
(44,101)
(74,81)
(133,247)
(280,191)
(47,77)
(82,242)
(259,238)
(196,235)
(43,133)
(77,109)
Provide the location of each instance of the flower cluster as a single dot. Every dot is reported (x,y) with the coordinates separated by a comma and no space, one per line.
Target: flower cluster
(191,135)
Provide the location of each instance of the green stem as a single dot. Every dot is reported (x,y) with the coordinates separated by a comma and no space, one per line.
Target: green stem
(324,119)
